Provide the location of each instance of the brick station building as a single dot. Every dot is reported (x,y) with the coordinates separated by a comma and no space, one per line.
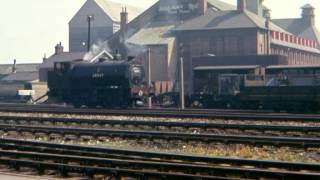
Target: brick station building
(153,30)
(248,31)
(192,28)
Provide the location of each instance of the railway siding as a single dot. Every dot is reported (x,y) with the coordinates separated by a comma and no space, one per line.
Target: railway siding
(95,132)
(187,166)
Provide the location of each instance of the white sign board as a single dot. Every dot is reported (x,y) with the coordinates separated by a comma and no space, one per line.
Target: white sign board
(26,92)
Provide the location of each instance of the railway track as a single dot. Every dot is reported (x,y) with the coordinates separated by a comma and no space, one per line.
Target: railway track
(154,135)
(175,113)
(155,125)
(119,163)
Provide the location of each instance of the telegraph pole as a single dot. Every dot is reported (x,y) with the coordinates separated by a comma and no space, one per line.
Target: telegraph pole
(181,78)
(89,19)
(149,77)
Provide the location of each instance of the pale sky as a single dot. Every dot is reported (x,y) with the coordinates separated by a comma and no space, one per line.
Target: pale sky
(31,28)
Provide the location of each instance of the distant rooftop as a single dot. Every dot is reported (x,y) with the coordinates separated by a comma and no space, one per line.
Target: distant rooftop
(7,68)
(227,20)
(62,57)
(113,9)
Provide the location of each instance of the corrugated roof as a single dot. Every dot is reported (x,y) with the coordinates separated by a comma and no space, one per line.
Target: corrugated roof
(200,68)
(113,9)
(299,27)
(227,20)
(7,68)
(63,57)
(154,33)
(22,76)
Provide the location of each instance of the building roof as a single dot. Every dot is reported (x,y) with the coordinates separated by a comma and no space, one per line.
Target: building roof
(22,76)
(295,46)
(94,56)
(201,68)
(299,27)
(220,5)
(293,66)
(154,33)
(63,57)
(227,20)
(144,24)
(113,9)
(7,68)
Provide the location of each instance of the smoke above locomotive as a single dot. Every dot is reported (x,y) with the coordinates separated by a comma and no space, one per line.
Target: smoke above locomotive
(105,80)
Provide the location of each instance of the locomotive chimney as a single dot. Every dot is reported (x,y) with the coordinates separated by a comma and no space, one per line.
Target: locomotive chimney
(58,49)
(123,19)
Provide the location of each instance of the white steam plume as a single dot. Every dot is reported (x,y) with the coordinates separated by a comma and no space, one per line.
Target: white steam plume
(96,49)
(132,49)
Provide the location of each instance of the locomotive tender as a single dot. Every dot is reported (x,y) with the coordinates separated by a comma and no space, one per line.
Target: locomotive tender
(107,83)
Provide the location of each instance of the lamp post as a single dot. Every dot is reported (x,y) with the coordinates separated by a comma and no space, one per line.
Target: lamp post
(181,79)
(89,19)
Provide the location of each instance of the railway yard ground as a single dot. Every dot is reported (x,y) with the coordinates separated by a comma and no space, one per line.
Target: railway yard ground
(158,144)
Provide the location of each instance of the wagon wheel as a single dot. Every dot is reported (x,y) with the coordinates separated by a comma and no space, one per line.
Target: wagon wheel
(197,103)
(229,105)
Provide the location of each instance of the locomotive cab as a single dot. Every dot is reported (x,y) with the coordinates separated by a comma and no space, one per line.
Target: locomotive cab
(137,74)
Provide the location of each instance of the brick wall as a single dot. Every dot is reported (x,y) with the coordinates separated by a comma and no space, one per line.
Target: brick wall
(219,43)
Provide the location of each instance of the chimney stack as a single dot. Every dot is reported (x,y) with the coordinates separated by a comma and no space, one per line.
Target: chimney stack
(308,14)
(203,6)
(14,66)
(255,6)
(124,19)
(58,49)
(44,58)
(267,15)
(241,5)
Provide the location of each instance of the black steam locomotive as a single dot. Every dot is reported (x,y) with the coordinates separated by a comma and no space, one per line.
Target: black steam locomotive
(106,83)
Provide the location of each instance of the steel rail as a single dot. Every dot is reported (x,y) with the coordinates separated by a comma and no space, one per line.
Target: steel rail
(90,171)
(103,152)
(163,167)
(50,106)
(168,124)
(167,113)
(265,140)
